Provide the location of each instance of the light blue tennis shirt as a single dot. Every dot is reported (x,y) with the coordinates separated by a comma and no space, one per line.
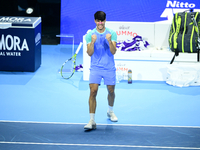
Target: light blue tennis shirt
(102,58)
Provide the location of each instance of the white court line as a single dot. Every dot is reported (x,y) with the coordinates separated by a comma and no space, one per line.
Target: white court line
(99,145)
(134,125)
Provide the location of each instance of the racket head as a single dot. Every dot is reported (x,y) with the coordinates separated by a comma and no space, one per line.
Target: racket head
(69,66)
(68,69)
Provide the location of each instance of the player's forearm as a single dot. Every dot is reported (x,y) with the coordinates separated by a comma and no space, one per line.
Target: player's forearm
(112,46)
(90,49)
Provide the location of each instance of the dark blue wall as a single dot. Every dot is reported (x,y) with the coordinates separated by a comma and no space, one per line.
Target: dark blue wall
(77,16)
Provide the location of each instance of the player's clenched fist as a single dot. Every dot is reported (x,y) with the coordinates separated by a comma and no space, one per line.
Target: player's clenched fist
(108,37)
(94,38)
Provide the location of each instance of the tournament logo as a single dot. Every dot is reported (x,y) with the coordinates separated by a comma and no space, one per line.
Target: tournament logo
(173,7)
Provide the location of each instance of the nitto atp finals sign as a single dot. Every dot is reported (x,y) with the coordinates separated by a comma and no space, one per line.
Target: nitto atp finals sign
(78,16)
(173,7)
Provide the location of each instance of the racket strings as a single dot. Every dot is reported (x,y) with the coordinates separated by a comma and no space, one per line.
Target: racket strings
(68,68)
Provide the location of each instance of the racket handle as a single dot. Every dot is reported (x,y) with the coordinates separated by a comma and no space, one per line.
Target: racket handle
(79,47)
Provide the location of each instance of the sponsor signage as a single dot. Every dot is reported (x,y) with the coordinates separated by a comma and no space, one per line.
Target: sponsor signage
(20,43)
(21,21)
(128,30)
(122,11)
(173,7)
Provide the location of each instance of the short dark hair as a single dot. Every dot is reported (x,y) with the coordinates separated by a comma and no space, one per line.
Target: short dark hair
(100,15)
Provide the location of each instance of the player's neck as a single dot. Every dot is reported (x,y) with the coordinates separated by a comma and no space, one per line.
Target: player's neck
(101,30)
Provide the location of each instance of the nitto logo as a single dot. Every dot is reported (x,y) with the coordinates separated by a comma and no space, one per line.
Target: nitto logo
(179,4)
(173,7)
(14,19)
(13,43)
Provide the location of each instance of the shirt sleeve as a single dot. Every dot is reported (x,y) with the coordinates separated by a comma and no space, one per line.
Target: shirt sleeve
(88,36)
(113,36)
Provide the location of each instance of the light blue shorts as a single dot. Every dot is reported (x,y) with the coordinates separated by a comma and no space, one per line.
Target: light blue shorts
(109,77)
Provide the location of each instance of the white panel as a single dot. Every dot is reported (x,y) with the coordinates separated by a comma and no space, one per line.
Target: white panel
(162,30)
(128,30)
(143,70)
(86,61)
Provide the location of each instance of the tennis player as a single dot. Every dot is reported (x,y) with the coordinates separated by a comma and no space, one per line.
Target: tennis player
(101,46)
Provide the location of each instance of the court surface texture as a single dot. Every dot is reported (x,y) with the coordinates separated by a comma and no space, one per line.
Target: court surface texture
(40,110)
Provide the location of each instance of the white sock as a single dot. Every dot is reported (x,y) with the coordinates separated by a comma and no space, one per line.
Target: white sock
(110,108)
(92,115)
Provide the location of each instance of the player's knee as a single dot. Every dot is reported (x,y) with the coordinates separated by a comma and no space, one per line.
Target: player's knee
(93,92)
(111,92)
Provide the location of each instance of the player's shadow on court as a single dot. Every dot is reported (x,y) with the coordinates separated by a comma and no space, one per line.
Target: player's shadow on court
(90,130)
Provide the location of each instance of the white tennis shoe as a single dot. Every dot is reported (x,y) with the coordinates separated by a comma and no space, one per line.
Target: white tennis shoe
(91,125)
(112,116)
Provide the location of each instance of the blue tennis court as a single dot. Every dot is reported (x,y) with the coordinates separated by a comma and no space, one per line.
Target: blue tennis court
(21,135)
(40,110)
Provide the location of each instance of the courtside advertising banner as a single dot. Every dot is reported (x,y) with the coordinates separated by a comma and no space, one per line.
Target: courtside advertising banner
(78,16)
(20,43)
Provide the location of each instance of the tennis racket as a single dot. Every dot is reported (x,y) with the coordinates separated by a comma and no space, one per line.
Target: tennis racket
(68,67)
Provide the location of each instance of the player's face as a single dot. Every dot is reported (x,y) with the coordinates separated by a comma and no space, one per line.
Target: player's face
(100,25)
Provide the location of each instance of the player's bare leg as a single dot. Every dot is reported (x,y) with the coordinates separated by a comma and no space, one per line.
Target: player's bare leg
(92,106)
(111,99)
(92,98)
(111,94)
